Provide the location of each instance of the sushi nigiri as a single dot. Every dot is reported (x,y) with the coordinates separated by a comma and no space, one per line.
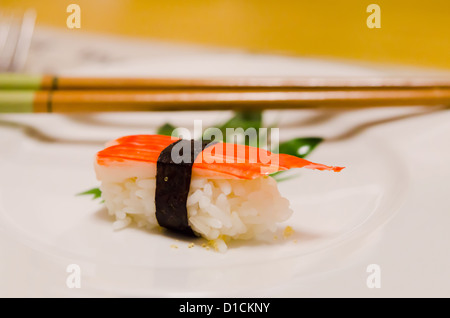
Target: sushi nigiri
(223,193)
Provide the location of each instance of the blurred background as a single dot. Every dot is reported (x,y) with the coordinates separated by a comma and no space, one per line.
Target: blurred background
(413,33)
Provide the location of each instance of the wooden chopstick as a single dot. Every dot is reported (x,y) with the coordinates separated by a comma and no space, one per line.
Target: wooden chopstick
(48,82)
(66,101)
(271,83)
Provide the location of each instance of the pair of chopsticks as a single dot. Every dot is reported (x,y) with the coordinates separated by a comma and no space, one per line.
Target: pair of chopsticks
(24,93)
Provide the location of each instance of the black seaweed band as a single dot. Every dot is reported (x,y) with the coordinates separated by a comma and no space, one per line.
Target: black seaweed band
(173,180)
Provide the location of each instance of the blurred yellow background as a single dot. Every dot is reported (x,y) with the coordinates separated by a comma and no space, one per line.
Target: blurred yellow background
(412,32)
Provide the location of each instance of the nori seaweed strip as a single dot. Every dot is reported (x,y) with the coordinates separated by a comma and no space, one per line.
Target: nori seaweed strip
(173,181)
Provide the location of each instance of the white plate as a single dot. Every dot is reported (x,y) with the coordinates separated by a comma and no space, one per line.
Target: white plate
(45,227)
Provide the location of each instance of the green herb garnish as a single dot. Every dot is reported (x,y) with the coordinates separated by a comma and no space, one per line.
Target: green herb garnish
(299,147)
(240,122)
(95,192)
(166,129)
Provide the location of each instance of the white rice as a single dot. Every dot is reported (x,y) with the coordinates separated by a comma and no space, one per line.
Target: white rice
(218,209)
